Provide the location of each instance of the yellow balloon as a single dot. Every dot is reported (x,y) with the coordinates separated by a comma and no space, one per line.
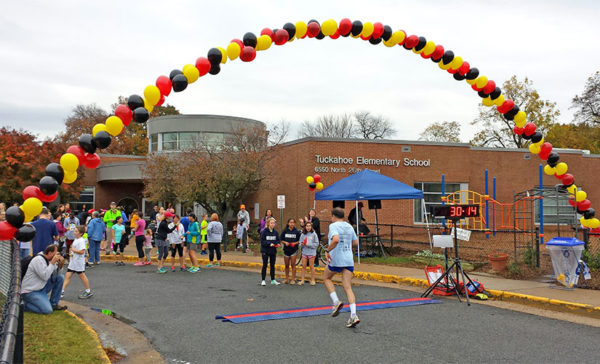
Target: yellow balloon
(481,81)
(310,179)
(444,66)
(367,30)
(456,63)
(397,37)
(263,42)
(152,94)
(486,101)
(550,171)
(191,73)
(470,82)
(580,196)
(186,66)
(319,186)
(223,55)
(31,207)
(583,221)
(147,106)
(520,119)
(70,177)
(69,162)
(571,189)
(234,50)
(429,48)
(114,125)
(97,128)
(534,148)
(594,223)
(301,29)
(329,27)
(539,144)
(499,101)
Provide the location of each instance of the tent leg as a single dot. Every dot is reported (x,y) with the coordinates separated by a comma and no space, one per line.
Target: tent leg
(357,225)
(426,223)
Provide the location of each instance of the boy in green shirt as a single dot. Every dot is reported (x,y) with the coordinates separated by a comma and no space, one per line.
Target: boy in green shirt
(203,233)
(110,217)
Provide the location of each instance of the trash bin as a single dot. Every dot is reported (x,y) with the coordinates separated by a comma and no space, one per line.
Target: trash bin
(565,254)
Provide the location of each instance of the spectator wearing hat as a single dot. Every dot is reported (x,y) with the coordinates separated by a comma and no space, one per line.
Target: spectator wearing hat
(244,216)
(110,218)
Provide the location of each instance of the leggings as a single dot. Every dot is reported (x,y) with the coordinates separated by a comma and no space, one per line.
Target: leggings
(163,249)
(139,244)
(266,258)
(212,247)
(147,251)
(177,248)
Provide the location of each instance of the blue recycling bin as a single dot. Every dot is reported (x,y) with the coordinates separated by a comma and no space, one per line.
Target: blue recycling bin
(565,254)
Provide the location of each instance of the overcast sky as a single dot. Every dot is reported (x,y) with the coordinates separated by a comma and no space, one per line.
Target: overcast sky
(57,54)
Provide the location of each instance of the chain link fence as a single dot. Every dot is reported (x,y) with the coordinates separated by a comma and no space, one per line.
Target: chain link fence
(11,326)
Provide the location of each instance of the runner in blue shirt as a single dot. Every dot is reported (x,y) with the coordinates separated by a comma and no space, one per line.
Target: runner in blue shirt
(340,260)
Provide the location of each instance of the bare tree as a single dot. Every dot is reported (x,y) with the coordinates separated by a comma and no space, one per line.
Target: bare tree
(442,132)
(329,126)
(587,105)
(373,126)
(278,132)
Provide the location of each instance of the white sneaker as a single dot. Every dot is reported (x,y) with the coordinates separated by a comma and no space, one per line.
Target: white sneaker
(336,308)
(275,283)
(263,283)
(353,321)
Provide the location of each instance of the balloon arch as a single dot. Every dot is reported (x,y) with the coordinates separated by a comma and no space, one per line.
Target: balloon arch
(138,109)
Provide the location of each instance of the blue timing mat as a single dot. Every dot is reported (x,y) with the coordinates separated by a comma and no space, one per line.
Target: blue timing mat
(240,318)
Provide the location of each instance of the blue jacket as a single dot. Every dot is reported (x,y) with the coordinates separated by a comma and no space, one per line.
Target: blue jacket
(193,233)
(124,216)
(96,229)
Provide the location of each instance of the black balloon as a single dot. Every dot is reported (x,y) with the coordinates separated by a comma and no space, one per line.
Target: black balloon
(537,137)
(135,101)
(458,77)
(180,83)
(214,56)
(375,41)
(496,93)
(173,74)
(15,216)
(141,115)
(589,213)
(387,32)
(525,136)
(553,159)
(102,139)
(421,44)
(56,171)
(86,143)
(249,40)
(472,74)
(215,69)
(448,57)
(290,29)
(48,185)
(482,94)
(312,185)
(25,233)
(320,35)
(357,27)
(510,115)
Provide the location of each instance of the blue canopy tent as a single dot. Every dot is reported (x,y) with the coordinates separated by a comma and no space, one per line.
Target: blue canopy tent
(369,185)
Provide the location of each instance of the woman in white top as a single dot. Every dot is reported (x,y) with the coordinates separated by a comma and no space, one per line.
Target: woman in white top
(176,238)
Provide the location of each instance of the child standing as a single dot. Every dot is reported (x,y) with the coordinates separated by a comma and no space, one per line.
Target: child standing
(77,263)
(118,232)
(269,242)
(242,235)
(290,237)
(203,233)
(176,238)
(148,246)
(309,241)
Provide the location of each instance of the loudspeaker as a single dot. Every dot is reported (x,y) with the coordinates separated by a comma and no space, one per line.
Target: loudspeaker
(341,204)
(374,204)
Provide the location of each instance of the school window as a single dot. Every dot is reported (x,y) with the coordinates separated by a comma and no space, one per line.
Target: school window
(154,142)
(556,208)
(169,141)
(189,140)
(86,197)
(432,194)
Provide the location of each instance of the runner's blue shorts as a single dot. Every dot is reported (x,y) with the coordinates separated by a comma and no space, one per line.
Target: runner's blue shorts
(340,269)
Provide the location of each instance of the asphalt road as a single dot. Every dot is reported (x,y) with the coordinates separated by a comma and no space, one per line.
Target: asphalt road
(176,311)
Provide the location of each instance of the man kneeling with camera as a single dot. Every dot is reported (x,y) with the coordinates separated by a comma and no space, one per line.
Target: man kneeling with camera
(42,277)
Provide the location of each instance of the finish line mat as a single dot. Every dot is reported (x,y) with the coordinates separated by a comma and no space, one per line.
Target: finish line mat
(240,318)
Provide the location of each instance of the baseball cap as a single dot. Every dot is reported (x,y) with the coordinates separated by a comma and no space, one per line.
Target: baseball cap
(113,203)
(91,211)
(242,206)
(168,214)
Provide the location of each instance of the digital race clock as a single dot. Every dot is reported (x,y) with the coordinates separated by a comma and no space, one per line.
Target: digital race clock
(456,211)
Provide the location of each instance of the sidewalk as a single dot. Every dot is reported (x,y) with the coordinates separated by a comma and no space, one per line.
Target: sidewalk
(584,302)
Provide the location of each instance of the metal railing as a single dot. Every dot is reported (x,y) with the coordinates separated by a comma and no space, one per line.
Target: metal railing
(11,325)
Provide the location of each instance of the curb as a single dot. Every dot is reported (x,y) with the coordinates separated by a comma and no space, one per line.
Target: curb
(94,335)
(520,298)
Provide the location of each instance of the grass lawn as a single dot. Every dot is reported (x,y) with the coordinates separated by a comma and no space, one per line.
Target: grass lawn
(58,338)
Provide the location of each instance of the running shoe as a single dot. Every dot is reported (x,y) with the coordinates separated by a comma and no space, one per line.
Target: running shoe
(182,269)
(116,263)
(274,282)
(161,270)
(209,266)
(336,309)
(122,263)
(301,282)
(218,264)
(139,264)
(85,295)
(263,283)
(97,263)
(172,269)
(285,281)
(292,282)
(312,283)
(203,253)
(148,262)
(59,308)
(62,295)
(353,321)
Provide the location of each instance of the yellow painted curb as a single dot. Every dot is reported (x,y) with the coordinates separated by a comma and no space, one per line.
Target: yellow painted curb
(94,335)
(524,299)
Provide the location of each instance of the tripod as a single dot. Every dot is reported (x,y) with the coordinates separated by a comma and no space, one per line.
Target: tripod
(450,280)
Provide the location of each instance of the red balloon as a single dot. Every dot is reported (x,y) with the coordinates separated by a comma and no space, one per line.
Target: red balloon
(31,191)
(529,129)
(346,26)
(7,231)
(161,100)
(518,130)
(335,35)
(425,56)
(203,65)
(567,179)
(239,42)
(464,69)
(438,52)
(411,41)
(78,151)
(124,113)
(48,198)
(164,85)
(572,201)
(265,31)
(313,29)
(584,205)
(281,37)
(377,30)
(475,88)
(546,147)
(249,53)
(92,160)
(311,189)
(317,178)
(490,87)
(450,70)
(506,106)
